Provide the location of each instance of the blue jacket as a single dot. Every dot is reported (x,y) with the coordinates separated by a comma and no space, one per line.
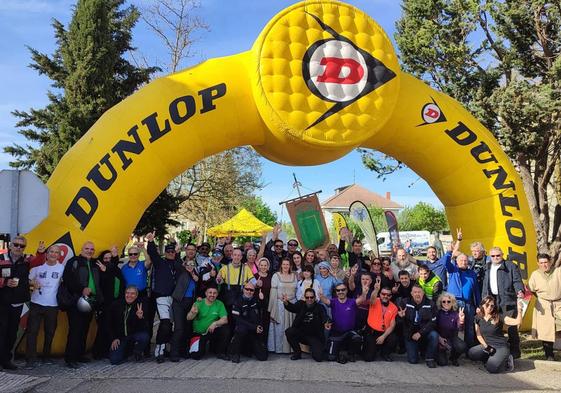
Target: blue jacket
(463,284)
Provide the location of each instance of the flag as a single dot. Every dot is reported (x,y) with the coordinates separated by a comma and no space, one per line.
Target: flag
(308,221)
(339,223)
(361,216)
(391,219)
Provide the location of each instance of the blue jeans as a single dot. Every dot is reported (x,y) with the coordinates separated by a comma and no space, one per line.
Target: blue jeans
(136,342)
(430,343)
(469,323)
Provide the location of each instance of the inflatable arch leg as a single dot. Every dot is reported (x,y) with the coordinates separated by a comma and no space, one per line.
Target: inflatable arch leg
(321,79)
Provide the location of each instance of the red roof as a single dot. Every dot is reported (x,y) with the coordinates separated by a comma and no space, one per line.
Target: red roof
(354,192)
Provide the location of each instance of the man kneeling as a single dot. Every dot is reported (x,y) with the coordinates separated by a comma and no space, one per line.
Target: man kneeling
(209,318)
(308,326)
(246,312)
(128,327)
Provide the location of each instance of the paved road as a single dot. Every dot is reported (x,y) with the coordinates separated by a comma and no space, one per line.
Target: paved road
(280,374)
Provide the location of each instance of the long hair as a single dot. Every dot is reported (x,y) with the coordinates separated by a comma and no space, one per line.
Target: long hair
(495,310)
(101,254)
(292,264)
(308,268)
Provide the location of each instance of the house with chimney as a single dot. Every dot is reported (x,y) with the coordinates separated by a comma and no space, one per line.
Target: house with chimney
(346,195)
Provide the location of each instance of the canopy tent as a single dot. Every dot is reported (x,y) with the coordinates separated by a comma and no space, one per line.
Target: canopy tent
(242,224)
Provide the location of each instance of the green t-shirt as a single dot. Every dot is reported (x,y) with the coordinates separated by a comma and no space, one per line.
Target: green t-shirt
(207,315)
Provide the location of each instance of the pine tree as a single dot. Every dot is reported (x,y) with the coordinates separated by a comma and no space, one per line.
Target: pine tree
(90,74)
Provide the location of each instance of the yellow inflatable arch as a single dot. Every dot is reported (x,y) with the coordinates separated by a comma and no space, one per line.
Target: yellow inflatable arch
(322,78)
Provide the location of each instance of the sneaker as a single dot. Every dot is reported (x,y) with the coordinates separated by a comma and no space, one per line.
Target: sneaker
(72,365)
(341,359)
(509,363)
(352,357)
(387,358)
(84,359)
(174,359)
(160,359)
(9,366)
(296,356)
(235,358)
(454,362)
(223,356)
(30,365)
(431,364)
(138,357)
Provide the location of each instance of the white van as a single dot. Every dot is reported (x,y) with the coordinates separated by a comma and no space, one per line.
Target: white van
(420,240)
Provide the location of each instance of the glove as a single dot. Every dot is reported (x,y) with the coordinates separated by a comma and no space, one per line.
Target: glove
(490,350)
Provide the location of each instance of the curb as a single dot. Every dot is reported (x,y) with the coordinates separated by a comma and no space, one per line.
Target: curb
(545,365)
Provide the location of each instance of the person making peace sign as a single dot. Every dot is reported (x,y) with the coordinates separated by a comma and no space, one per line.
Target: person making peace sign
(128,327)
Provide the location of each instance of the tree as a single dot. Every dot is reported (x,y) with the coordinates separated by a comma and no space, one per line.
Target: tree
(260,209)
(422,217)
(215,187)
(90,74)
(212,189)
(501,59)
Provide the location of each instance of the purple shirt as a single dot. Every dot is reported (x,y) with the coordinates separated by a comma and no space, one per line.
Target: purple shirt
(344,315)
(447,323)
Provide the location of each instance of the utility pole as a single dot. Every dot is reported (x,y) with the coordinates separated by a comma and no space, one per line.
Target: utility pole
(296,184)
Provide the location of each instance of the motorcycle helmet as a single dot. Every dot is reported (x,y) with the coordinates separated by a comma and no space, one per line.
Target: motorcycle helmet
(84,304)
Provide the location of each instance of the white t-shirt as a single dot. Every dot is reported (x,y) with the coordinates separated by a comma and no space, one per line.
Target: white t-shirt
(49,279)
(493,278)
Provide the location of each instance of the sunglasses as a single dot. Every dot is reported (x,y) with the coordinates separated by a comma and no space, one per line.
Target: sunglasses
(309,297)
(495,256)
(385,294)
(447,301)
(170,251)
(489,305)
(341,290)
(249,289)
(278,245)
(376,263)
(293,244)
(133,254)
(19,245)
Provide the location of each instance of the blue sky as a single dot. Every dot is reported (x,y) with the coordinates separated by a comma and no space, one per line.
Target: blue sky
(234,25)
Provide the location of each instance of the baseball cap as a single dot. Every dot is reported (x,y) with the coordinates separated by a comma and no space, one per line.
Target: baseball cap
(170,247)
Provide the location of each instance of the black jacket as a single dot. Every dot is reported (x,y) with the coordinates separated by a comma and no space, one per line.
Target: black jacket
(76,274)
(310,321)
(427,317)
(14,269)
(509,282)
(117,314)
(353,258)
(183,278)
(107,282)
(163,272)
(273,257)
(247,314)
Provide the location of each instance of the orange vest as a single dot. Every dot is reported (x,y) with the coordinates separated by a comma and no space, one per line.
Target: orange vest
(380,322)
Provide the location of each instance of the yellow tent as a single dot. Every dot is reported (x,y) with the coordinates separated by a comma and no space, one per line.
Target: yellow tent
(242,224)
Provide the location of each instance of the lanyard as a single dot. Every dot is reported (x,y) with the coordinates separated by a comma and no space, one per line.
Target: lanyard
(126,316)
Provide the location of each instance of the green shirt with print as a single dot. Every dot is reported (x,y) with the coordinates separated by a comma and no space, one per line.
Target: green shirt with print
(207,315)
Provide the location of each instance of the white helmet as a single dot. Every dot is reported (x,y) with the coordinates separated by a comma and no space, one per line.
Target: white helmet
(84,304)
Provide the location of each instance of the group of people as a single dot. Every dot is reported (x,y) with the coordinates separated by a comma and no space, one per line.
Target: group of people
(335,303)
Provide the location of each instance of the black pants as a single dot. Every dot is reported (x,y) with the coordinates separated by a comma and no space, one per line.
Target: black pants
(38,313)
(149,315)
(294,337)
(457,348)
(78,327)
(181,326)
(9,322)
(251,340)
(218,342)
(548,348)
(371,349)
(102,338)
(350,341)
